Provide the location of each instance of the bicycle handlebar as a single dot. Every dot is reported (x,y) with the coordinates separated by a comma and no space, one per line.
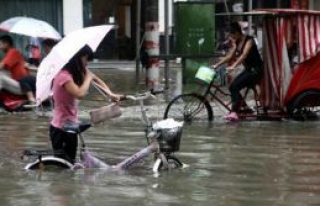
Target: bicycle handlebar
(143,96)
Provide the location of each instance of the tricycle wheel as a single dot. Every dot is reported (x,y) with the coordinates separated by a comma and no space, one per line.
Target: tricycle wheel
(305,106)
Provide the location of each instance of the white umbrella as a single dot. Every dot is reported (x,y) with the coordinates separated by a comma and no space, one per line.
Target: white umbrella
(63,52)
(29,27)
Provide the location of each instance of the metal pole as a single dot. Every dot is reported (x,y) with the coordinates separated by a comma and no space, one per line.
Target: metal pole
(278,4)
(250,18)
(138,37)
(226,6)
(167,42)
(152,43)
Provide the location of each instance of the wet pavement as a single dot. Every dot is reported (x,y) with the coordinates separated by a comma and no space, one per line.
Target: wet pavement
(230,164)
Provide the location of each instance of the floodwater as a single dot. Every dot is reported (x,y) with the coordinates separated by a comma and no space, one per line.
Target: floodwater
(243,164)
(248,163)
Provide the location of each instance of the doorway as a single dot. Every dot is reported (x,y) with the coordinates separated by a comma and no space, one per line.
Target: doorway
(119,43)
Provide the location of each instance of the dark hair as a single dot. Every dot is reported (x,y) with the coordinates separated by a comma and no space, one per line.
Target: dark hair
(235,28)
(7,39)
(49,42)
(75,66)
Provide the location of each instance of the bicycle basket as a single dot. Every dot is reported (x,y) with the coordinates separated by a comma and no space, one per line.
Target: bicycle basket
(169,139)
(205,74)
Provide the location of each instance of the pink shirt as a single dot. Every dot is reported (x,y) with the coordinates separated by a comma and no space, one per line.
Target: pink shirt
(65,104)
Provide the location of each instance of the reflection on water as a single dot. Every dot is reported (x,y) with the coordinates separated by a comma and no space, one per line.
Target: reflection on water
(250,163)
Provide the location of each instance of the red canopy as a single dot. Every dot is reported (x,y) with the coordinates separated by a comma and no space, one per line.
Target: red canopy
(282,29)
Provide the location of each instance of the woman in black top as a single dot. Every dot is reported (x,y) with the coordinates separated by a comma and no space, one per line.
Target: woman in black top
(245,50)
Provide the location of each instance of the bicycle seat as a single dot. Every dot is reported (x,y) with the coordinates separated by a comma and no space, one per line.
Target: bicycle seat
(76,127)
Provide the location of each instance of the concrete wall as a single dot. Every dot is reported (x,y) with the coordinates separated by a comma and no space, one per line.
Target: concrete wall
(72,15)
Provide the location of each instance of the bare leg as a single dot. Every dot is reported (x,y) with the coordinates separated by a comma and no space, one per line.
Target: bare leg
(31,97)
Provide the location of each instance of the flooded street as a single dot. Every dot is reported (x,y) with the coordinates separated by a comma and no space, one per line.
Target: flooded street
(247,164)
(250,163)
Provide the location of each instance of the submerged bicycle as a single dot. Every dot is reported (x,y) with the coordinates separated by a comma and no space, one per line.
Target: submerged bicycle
(163,138)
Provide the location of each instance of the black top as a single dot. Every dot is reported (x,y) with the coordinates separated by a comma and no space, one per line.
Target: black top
(253,60)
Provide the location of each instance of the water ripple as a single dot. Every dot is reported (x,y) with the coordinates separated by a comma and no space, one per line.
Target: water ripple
(250,163)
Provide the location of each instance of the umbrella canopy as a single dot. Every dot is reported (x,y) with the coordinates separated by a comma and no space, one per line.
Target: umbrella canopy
(63,52)
(29,27)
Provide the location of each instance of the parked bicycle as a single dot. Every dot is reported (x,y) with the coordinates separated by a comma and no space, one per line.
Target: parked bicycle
(163,138)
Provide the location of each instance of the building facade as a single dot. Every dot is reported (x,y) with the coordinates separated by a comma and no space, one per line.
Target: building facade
(69,15)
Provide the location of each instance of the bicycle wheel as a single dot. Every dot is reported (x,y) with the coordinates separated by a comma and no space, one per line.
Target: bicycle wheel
(174,163)
(49,163)
(189,107)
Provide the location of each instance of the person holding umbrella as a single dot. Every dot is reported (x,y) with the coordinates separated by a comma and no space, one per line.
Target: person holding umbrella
(70,84)
(14,63)
(64,74)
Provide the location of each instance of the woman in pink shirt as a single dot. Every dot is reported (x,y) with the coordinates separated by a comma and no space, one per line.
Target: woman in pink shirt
(71,84)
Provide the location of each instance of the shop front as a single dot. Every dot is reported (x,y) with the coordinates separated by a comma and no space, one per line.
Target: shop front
(119,44)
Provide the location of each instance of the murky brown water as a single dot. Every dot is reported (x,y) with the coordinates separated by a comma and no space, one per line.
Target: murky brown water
(250,163)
